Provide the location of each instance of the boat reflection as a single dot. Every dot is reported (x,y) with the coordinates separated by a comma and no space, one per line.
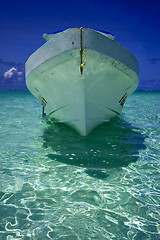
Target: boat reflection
(112,145)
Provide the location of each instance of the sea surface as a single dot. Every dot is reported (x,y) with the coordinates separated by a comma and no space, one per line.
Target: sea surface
(55,184)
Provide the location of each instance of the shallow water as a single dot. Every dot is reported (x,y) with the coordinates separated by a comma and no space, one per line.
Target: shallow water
(55,184)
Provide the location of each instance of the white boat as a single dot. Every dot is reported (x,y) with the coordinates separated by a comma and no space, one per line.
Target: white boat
(82,77)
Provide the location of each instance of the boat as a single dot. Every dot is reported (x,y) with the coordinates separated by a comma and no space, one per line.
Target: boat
(82,77)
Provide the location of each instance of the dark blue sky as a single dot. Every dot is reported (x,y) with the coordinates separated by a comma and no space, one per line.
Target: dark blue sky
(135,24)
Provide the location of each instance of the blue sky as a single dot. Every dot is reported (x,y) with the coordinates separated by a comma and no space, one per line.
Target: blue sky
(135,24)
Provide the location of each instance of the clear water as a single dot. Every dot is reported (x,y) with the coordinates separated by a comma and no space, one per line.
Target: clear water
(57,185)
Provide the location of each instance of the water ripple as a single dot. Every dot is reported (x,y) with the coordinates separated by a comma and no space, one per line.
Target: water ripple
(57,185)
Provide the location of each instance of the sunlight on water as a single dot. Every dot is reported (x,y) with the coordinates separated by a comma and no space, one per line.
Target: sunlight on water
(55,184)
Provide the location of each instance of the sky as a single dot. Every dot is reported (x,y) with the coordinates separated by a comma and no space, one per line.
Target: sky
(135,24)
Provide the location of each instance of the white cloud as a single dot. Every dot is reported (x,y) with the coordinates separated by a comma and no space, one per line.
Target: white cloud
(19,73)
(10,72)
(13,72)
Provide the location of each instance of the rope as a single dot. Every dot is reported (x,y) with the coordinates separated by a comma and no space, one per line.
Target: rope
(83,64)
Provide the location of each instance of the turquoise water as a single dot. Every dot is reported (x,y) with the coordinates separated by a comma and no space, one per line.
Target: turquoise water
(57,185)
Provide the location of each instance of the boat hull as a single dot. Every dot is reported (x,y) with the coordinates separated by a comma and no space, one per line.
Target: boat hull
(83,100)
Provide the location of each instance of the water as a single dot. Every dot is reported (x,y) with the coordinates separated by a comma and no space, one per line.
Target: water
(57,185)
